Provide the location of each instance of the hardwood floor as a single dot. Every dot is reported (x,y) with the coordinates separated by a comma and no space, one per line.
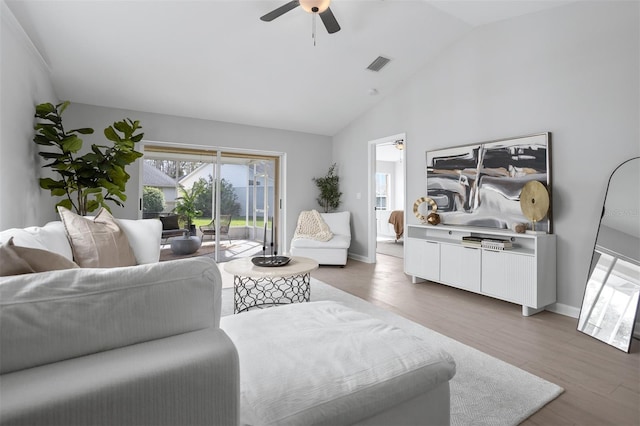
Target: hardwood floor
(601,383)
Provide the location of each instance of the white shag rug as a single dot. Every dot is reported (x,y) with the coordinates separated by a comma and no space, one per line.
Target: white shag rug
(484,391)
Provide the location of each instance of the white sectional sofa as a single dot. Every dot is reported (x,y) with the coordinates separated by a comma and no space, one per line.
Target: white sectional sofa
(332,252)
(145,345)
(136,345)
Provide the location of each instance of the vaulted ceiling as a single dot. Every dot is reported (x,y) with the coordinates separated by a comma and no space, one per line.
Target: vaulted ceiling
(216,60)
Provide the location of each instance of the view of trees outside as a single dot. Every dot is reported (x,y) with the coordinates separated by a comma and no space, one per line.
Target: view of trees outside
(154,202)
(228,198)
(173,168)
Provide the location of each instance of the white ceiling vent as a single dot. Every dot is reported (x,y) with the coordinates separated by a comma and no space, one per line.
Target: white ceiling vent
(378,63)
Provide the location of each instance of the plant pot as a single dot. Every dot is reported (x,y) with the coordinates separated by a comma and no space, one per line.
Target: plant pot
(192,230)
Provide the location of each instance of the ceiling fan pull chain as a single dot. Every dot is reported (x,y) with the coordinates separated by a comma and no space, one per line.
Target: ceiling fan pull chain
(313,27)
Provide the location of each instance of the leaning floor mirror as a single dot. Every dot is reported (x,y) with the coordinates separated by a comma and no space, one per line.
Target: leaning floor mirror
(610,306)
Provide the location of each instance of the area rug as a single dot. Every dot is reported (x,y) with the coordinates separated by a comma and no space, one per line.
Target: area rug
(484,391)
(204,250)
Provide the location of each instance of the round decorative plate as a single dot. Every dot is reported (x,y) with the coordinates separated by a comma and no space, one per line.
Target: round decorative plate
(534,200)
(416,208)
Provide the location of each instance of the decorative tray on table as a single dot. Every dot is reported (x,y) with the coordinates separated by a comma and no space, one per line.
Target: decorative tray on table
(269,261)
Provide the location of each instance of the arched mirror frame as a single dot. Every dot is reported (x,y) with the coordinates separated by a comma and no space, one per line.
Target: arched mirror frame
(611,299)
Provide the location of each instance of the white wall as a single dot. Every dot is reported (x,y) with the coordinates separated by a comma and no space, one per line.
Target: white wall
(308,155)
(24,83)
(573,71)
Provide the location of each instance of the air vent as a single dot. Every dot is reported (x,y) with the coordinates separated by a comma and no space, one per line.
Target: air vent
(378,63)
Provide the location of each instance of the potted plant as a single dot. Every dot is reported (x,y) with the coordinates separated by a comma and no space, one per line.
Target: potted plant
(90,180)
(186,205)
(329,188)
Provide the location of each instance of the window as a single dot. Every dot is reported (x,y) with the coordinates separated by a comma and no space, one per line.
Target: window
(382,191)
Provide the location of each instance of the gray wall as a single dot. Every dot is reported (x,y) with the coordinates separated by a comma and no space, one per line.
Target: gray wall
(307,155)
(573,71)
(24,82)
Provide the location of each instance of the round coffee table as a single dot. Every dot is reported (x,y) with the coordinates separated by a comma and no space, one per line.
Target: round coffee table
(255,286)
(185,245)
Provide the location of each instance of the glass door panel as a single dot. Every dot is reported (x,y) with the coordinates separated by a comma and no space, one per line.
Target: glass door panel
(232,196)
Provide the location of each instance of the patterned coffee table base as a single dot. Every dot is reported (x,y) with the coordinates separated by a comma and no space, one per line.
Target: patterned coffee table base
(257,292)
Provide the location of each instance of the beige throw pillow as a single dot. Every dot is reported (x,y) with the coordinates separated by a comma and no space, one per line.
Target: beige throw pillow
(17,260)
(11,263)
(97,242)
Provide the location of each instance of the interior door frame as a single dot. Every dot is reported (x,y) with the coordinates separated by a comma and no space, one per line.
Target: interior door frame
(371,199)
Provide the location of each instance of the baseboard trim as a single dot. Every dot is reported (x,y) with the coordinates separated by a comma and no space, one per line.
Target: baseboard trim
(562,309)
(359,258)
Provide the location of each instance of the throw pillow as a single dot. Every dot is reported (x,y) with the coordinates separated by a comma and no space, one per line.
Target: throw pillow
(17,260)
(169,222)
(11,263)
(97,242)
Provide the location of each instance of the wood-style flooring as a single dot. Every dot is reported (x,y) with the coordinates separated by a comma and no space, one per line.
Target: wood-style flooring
(601,383)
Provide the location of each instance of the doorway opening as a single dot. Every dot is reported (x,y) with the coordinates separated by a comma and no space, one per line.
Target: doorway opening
(387,177)
(231,198)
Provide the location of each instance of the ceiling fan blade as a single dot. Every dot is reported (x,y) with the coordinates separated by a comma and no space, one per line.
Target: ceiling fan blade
(280,11)
(329,21)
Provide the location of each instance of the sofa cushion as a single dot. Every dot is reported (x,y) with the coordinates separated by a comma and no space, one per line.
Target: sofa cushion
(14,259)
(51,237)
(337,242)
(58,315)
(97,242)
(338,222)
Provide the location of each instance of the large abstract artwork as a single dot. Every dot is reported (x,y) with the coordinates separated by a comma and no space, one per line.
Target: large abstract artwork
(480,184)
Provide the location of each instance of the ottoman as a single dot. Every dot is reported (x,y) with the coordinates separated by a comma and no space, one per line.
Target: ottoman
(324,363)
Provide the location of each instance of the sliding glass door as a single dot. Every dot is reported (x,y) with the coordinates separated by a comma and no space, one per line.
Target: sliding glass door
(232,196)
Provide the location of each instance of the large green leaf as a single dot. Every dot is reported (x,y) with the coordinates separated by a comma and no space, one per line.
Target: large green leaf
(123,127)
(51,155)
(92,205)
(44,109)
(42,140)
(62,106)
(50,132)
(111,134)
(48,183)
(92,191)
(84,131)
(66,203)
(71,143)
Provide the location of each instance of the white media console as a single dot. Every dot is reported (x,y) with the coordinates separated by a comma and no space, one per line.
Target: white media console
(524,274)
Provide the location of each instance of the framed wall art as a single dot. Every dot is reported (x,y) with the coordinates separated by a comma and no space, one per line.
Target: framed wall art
(480,184)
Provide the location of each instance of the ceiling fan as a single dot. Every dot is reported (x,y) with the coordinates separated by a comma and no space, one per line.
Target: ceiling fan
(319,7)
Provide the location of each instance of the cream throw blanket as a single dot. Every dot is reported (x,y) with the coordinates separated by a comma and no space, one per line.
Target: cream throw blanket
(312,226)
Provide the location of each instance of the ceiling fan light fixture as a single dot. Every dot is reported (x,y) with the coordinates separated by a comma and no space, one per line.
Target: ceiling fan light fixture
(315,6)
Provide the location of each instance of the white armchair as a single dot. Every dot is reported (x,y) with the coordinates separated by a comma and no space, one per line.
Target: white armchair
(332,252)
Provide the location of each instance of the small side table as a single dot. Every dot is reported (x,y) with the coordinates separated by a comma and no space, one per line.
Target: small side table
(255,286)
(185,244)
